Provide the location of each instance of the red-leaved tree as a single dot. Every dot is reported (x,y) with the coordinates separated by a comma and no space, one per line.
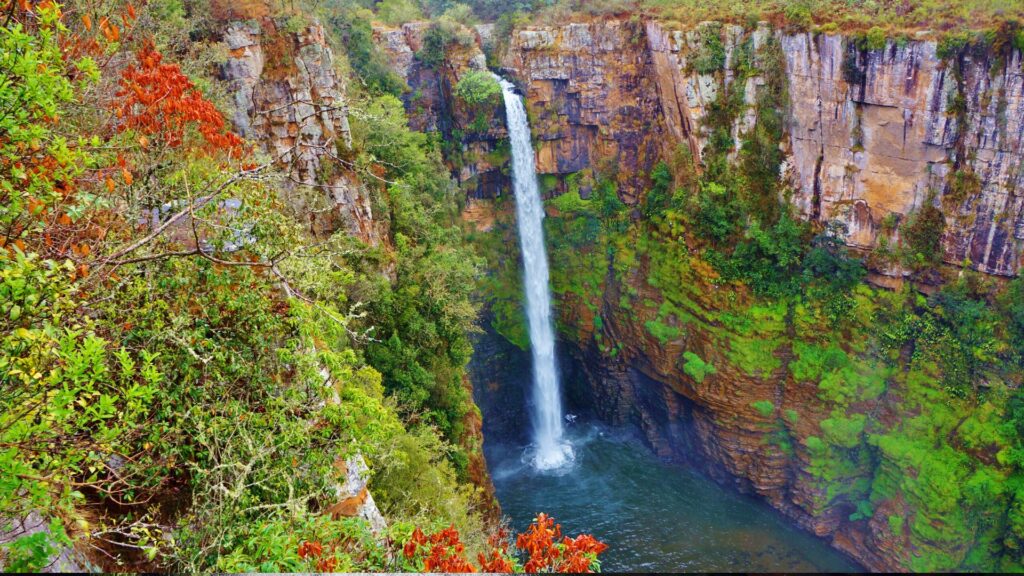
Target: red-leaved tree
(158,100)
(542,545)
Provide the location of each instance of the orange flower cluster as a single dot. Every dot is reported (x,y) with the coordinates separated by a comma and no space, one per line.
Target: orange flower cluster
(497,560)
(444,551)
(159,100)
(316,550)
(543,544)
(578,553)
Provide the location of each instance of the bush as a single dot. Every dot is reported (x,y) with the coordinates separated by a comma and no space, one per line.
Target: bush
(764,407)
(922,235)
(366,60)
(798,15)
(398,11)
(663,332)
(477,87)
(844,432)
(659,197)
(436,40)
(710,57)
(875,39)
(695,367)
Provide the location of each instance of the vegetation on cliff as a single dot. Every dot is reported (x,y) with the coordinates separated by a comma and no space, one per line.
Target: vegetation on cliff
(185,369)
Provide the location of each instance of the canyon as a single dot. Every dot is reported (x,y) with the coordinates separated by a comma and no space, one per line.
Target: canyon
(870,137)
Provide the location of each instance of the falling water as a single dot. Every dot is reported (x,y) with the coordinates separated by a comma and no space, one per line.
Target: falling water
(550,449)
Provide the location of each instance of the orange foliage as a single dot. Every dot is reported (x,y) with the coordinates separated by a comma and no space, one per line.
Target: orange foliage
(443,551)
(158,100)
(545,548)
(310,549)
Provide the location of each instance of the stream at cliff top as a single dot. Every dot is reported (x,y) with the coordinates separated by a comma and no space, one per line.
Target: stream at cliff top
(654,516)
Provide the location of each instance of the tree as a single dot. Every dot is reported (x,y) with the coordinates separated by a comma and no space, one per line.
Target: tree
(923,234)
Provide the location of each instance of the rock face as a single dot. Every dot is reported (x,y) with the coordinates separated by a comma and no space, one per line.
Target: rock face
(712,422)
(353,498)
(479,159)
(872,135)
(290,99)
(594,101)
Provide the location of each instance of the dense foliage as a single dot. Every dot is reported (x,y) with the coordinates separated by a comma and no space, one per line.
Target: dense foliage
(183,365)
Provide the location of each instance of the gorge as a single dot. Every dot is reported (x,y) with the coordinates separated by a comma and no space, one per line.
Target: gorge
(806,402)
(511,285)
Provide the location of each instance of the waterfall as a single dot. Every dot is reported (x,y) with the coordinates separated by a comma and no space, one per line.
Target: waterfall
(550,449)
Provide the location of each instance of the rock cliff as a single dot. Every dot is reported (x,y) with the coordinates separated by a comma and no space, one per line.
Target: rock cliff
(476,140)
(290,99)
(871,135)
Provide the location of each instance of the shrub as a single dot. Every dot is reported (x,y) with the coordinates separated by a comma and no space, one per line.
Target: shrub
(663,332)
(963,185)
(951,44)
(875,39)
(764,407)
(695,367)
(436,40)
(798,15)
(477,88)
(366,60)
(843,431)
(398,11)
(710,56)
(923,234)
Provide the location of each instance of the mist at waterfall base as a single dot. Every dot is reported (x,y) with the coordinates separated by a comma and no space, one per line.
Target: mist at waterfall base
(549,451)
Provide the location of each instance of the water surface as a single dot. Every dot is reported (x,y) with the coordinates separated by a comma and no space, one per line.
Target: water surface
(655,516)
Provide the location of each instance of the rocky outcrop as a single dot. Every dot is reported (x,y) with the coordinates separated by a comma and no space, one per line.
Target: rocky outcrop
(871,135)
(61,560)
(352,496)
(290,99)
(478,153)
(594,100)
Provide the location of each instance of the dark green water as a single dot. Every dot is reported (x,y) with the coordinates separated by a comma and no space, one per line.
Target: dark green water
(655,517)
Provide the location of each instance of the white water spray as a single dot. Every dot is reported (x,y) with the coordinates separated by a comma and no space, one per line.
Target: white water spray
(551,450)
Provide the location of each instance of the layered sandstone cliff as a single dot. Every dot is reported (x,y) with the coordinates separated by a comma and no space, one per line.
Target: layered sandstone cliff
(871,135)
